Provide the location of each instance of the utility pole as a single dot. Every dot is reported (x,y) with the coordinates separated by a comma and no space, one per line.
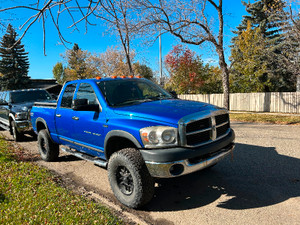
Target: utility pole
(160,59)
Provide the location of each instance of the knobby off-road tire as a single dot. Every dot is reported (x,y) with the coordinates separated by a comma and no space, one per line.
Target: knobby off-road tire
(129,178)
(49,150)
(17,136)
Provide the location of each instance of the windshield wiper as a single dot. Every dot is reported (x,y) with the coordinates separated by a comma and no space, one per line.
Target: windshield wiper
(128,102)
(157,97)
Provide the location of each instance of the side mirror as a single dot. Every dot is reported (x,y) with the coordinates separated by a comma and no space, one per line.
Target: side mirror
(174,94)
(82,105)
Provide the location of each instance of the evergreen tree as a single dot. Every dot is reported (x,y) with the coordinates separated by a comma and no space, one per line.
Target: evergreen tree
(59,73)
(265,14)
(77,60)
(269,17)
(249,73)
(14,62)
(143,70)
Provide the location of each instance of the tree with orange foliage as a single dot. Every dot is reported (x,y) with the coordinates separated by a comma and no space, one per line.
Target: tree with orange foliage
(188,74)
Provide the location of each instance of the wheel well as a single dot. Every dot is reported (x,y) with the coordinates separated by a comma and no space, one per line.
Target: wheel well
(115,144)
(40,126)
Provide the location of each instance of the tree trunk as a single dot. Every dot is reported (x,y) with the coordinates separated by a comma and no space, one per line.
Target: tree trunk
(129,64)
(225,77)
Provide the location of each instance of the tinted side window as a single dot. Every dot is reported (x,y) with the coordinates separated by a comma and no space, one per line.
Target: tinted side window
(66,101)
(1,97)
(7,94)
(4,97)
(85,91)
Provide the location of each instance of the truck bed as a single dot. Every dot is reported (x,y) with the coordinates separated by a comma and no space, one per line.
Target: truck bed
(46,104)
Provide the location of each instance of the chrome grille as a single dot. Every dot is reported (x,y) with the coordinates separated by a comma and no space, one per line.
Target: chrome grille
(198,125)
(196,131)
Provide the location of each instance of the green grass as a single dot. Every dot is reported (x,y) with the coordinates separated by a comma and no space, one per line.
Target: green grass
(265,118)
(30,194)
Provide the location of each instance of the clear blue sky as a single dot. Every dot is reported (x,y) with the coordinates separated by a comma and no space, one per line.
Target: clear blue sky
(95,41)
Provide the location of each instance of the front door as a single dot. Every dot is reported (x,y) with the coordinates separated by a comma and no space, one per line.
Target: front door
(64,114)
(88,125)
(4,109)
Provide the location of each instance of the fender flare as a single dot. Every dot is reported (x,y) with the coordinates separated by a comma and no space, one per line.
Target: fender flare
(39,119)
(11,115)
(122,134)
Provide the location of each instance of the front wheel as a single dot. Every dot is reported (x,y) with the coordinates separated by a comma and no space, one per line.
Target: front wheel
(49,150)
(17,136)
(129,178)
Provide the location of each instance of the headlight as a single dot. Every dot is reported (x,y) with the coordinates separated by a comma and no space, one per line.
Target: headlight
(159,136)
(21,116)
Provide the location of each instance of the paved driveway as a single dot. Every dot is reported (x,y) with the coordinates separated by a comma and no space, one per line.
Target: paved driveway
(259,185)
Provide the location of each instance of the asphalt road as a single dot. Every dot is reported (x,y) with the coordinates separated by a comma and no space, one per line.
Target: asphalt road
(259,185)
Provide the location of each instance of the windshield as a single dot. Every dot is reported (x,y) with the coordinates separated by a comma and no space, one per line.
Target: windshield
(128,91)
(29,96)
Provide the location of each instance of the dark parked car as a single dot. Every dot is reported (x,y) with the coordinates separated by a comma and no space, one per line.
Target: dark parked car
(15,107)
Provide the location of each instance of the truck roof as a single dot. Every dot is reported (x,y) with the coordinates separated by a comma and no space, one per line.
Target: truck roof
(21,90)
(100,79)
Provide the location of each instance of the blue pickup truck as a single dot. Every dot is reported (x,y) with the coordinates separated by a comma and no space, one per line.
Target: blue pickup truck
(135,129)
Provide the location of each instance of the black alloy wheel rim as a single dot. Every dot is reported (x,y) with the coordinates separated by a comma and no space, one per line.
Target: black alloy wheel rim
(124,180)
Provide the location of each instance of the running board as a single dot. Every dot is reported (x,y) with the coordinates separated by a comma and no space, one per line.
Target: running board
(4,126)
(89,158)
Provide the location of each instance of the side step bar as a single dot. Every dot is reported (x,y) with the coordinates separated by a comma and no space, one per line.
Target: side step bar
(80,155)
(4,126)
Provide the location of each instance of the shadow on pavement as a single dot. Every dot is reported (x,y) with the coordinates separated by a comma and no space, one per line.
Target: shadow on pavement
(257,177)
(28,137)
(68,158)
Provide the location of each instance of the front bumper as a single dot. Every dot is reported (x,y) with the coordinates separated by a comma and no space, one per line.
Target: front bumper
(178,161)
(182,167)
(23,125)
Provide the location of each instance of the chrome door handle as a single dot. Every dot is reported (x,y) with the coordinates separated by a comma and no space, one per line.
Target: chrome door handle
(58,115)
(75,118)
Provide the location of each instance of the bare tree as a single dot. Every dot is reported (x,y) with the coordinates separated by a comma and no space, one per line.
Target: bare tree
(112,62)
(194,22)
(120,16)
(114,12)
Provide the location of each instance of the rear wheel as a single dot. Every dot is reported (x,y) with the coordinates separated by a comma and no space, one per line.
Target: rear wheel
(17,136)
(129,178)
(49,150)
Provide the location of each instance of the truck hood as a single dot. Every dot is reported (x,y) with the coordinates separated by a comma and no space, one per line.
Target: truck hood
(170,111)
(24,106)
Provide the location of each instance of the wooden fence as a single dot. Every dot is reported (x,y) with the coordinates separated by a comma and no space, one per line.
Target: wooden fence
(281,102)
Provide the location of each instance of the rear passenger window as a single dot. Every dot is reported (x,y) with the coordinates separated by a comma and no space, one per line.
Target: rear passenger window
(2,97)
(6,96)
(66,100)
(85,91)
